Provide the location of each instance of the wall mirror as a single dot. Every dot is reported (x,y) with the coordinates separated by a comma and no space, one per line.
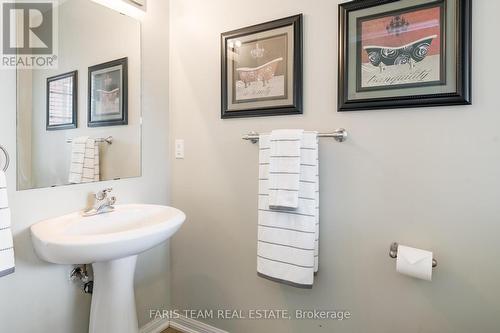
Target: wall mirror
(80,121)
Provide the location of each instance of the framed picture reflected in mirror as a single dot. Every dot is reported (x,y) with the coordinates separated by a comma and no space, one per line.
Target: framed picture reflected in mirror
(108,94)
(62,100)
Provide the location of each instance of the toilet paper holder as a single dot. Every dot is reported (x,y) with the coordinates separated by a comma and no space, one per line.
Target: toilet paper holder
(393,253)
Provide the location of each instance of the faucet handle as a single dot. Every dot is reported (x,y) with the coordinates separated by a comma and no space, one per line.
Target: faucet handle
(101,195)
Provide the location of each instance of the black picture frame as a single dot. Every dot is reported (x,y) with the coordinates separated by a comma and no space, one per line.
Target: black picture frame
(297,100)
(123,119)
(74,109)
(463,68)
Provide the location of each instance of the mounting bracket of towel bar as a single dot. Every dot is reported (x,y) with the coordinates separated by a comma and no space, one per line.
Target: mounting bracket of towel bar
(393,253)
(340,135)
(7,158)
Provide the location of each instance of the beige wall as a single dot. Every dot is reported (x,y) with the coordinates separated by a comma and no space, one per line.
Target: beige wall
(423,177)
(38,297)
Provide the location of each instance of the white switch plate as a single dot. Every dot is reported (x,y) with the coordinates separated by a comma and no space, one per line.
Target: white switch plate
(179,149)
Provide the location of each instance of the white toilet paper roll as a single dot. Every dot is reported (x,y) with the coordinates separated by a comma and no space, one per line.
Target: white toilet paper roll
(414,262)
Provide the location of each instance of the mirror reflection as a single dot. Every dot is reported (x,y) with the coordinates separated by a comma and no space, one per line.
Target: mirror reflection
(80,121)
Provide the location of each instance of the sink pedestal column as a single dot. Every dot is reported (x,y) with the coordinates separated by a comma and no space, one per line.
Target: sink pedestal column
(113,301)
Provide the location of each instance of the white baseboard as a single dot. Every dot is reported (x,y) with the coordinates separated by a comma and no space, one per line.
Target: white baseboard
(155,326)
(188,325)
(183,324)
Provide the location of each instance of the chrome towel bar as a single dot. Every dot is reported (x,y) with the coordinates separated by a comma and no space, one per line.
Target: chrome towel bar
(108,140)
(7,158)
(340,135)
(393,253)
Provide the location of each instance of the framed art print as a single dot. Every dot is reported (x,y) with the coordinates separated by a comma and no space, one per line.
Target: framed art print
(262,69)
(62,100)
(404,53)
(108,94)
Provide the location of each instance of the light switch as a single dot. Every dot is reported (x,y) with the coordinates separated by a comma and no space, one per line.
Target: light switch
(179,149)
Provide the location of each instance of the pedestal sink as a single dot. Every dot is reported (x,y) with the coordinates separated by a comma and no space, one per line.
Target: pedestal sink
(111,243)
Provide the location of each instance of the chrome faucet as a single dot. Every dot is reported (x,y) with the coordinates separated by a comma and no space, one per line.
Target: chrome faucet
(103,203)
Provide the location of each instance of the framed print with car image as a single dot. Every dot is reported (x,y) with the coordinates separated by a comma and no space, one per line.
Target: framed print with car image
(404,53)
(262,69)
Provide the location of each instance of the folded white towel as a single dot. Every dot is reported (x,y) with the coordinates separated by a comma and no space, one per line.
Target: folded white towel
(97,168)
(287,249)
(84,161)
(284,169)
(3,180)
(4,202)
(7,263)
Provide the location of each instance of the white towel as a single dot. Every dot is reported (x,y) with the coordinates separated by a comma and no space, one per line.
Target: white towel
(84,161)
(7,264)
(284,169)
(287,250)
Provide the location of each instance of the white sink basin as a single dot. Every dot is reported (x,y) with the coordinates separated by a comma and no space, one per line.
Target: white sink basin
(110,242)
(129,230)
